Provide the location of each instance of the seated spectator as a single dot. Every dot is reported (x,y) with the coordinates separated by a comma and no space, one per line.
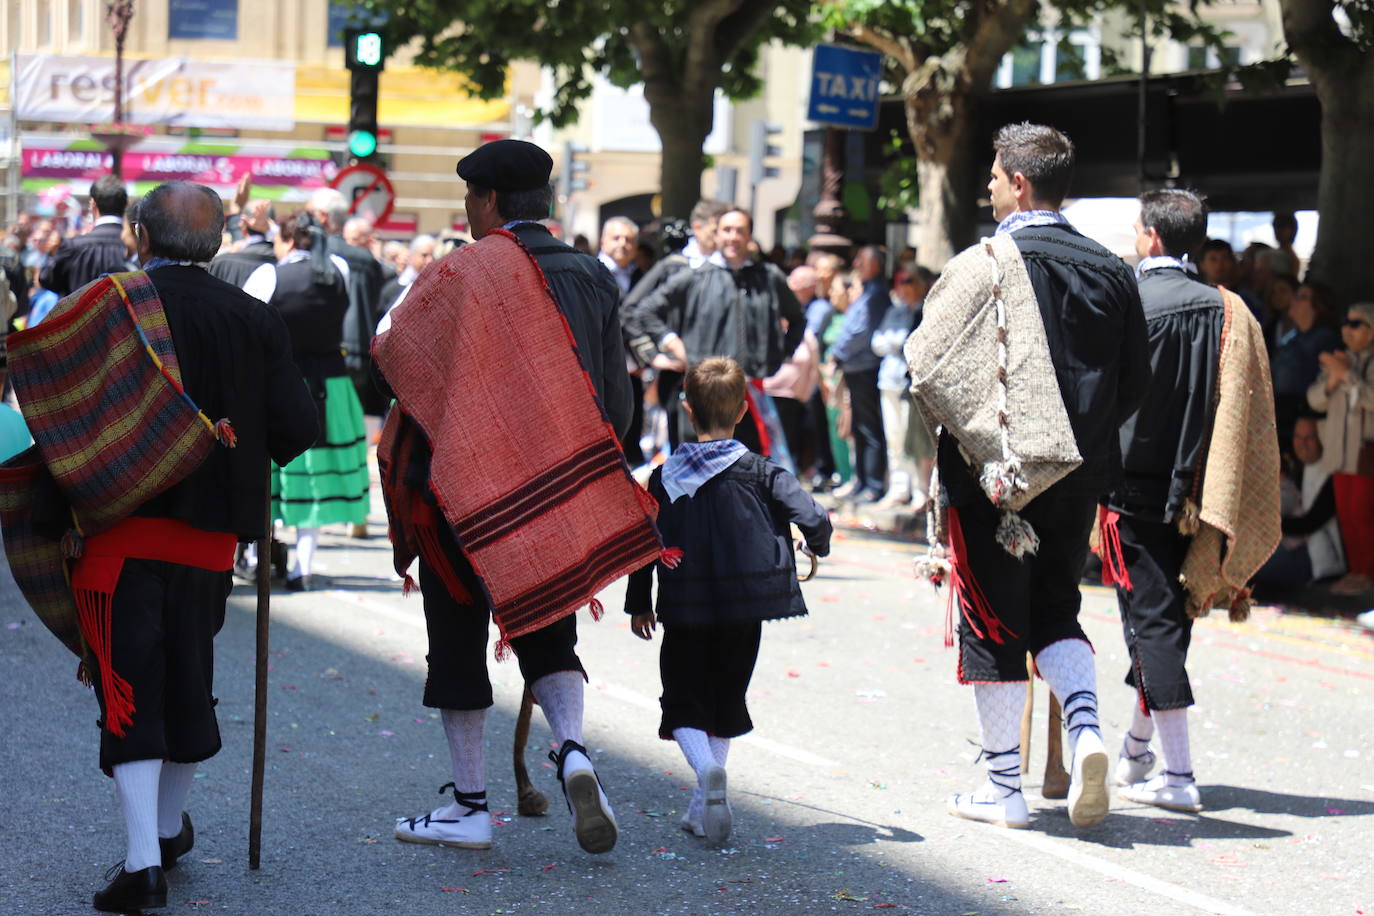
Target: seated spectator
(1345,391)
(1311,545)
(1294,364)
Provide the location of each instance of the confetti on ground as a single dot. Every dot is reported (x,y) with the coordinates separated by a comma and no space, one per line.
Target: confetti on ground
(884,906)
(846,895)
(874,784)
(13,625)
(491,871)
(792,672)
(196,902)
(454,890)
(387,733)
(548,868)
(372,718)
(212,861)
(997,881)
(772,839)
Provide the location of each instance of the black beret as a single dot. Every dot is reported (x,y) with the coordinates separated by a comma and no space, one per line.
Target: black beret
(506,165)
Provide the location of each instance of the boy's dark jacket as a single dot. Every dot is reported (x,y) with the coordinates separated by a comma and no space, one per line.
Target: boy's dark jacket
(738,564)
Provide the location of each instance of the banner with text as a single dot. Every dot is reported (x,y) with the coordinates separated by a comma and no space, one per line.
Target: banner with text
(173,91)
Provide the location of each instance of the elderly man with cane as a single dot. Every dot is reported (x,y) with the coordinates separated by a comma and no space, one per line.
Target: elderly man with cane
(147,511)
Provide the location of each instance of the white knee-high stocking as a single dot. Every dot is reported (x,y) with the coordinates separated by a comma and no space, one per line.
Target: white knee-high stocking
(560,696)
(999,718)
(137,785)
(1172,725)
(1067,666)
(174,785)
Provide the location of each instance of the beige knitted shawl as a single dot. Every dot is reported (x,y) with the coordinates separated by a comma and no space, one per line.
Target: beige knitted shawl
(980,368)
(1238,525)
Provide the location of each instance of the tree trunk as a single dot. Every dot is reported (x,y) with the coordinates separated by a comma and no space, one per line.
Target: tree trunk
(947,168)
(682,130)
(1346,186)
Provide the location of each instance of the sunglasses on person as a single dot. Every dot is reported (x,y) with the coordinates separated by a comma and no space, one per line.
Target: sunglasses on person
(1356,323)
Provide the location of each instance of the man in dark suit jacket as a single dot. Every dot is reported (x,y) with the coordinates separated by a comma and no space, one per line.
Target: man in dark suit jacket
(101,251)
(330,210)
(237,266)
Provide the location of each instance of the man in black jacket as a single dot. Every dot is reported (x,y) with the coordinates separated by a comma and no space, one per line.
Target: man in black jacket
(1096,340)
(731,306)
(168,604)
(1163,445)
(508,188)
(82,258)
(237,266)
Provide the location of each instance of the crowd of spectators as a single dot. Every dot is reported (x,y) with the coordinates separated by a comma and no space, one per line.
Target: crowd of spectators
(830,397)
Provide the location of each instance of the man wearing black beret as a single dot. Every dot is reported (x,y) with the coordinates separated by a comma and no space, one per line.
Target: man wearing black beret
(508,188)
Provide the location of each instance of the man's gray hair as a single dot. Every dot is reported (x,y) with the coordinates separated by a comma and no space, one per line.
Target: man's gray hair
(416,242)
(180,232)
(624,222)
(332,204)
(357,224)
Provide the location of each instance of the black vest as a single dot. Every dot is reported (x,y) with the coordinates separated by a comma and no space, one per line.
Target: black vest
(236,267)
(313,313)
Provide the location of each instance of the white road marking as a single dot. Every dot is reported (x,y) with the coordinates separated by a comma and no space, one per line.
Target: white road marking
(1141,880)
(1038,842)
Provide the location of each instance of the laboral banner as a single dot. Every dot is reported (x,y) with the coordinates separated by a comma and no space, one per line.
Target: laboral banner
(277,173)
(173,91)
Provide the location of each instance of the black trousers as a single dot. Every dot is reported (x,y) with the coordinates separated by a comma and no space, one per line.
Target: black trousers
(1036,597)
(458,644)
(1154,613)
(164,620)
(706,673)
(819,430)
(792,416)
(634,455)
(870,445)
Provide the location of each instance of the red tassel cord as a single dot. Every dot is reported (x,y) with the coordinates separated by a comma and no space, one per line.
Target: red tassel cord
(503,649)
(94,611)
(408,585)
(425,524)
(964,588)
(1114,570)
(671,557)
(597,608)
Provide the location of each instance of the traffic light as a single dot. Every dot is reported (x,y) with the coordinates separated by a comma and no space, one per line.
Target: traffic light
(364,49)
(570,177)
(364,56)
(760,150)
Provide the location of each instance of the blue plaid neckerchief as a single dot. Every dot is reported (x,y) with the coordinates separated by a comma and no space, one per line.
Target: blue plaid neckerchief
(1163,260)
(1022,219)
(694,463)
(159,261)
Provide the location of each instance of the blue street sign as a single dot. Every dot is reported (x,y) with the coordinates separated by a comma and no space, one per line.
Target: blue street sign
(844,87)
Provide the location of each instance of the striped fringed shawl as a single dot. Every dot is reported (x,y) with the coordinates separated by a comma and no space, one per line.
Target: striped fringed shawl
(99,386)
(524,465)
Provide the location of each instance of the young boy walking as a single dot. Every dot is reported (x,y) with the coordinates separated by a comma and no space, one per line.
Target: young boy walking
(729,512)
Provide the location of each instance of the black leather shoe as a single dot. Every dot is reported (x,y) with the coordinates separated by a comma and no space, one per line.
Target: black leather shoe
(131,892)
(299,584)
(174,847)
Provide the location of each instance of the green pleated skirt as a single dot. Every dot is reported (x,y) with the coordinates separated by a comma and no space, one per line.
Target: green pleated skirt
(327,483)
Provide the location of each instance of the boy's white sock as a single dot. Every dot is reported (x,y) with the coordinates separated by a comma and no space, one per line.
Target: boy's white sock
(696,747)
(720,749)
(1137,740)
(1172,725)
(560,696)
(306,539)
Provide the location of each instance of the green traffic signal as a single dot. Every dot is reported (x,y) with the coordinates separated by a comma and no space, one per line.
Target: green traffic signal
(362,143)
(367,49)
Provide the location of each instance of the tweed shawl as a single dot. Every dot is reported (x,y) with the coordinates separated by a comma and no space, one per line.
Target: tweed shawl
(1238,519)
(988,379)
(524,465)
(99,386)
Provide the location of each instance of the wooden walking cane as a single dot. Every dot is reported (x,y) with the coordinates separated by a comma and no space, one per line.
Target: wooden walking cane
(530,801)
(264,581)
(1056,783)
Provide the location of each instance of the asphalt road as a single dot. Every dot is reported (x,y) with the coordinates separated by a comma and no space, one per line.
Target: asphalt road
(839,793)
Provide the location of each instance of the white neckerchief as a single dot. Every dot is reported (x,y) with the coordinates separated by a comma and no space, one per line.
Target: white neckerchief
(1158,261)
(1024,219)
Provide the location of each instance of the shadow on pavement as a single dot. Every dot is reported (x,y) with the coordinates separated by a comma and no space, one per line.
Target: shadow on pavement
(1222,798)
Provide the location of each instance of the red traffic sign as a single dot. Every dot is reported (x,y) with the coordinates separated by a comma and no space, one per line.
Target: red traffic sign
(368,191)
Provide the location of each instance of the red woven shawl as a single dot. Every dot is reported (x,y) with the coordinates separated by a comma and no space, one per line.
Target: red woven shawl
(525,468)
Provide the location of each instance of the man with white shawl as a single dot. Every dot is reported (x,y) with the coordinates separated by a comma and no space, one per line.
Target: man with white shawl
(1031,353)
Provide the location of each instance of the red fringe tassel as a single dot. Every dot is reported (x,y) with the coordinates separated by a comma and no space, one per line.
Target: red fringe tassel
(94,613)
(1114,570)
(427,537)
(597,608)
(973,603)
(670,557)
(224,432)
(503,650)
(408,585)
